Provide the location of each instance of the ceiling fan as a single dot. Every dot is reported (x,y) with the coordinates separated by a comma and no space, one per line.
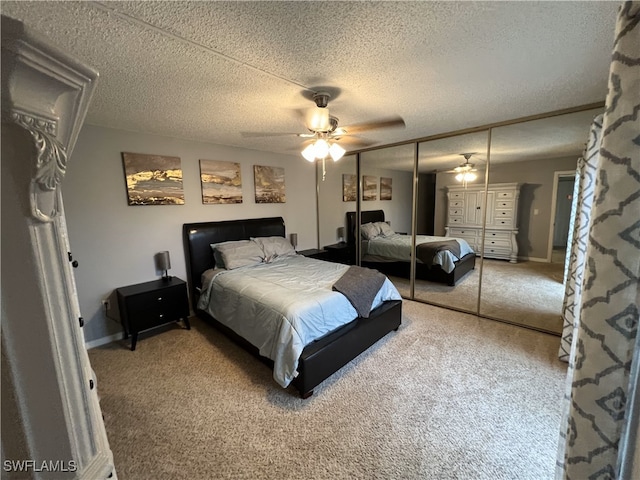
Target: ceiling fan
(464,172)
(325,133)
(325,136)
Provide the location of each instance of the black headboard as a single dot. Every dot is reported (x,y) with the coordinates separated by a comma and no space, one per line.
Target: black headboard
(367,216)
(198,238)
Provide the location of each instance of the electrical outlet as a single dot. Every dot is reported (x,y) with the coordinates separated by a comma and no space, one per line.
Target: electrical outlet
(105,302)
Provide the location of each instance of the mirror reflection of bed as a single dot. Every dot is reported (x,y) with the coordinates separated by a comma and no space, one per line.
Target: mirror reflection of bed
(528,153)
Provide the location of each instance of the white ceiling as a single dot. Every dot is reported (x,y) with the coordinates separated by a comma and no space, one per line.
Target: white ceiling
(217,71)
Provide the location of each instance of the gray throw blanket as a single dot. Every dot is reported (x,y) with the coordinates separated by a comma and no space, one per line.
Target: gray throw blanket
(426,251)
(360,285)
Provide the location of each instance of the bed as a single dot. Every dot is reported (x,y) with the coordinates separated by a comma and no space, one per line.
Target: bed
(392,255)
(319,358)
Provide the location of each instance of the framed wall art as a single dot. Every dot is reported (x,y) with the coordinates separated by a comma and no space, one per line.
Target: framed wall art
(349,185)
(369,187)
(153,179)
(386,189)
(269,184)
(221,182)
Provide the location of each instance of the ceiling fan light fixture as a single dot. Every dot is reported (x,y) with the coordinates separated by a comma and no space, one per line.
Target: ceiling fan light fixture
(466,177)
(336,152)
(318,120)
(321,148)
(309,153)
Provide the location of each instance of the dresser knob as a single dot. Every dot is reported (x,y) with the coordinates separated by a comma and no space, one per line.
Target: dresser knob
(91,384)
(161,315)
(81,322)
(159,299)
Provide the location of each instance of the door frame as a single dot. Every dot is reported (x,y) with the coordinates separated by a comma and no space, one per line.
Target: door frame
(554,200)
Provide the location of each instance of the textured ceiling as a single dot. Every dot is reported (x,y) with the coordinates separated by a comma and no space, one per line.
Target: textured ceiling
(220,71)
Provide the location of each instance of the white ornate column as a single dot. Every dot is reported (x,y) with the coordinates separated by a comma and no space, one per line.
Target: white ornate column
(52,425)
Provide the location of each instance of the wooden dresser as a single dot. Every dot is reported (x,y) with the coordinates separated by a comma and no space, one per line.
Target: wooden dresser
(465,216)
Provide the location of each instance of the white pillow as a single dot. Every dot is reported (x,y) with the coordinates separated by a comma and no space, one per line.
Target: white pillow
(273,247)
(369,230)
(240,254)
(385,229)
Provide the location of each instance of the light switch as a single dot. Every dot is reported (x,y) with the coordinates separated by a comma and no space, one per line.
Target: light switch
(535,211)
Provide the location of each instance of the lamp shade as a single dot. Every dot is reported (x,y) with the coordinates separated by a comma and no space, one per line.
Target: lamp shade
(341,233)
(293,237)
(163,261)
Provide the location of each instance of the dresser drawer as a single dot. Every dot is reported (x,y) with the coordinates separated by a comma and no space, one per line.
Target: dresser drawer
(497,243)
(455,212)
(500,214)
(456,203)
(501,195)
(152,317)
(503,222)
(463,232)
(504,204)
(156,300)
(495,252)
(455,220)
(495,235)
(456,195)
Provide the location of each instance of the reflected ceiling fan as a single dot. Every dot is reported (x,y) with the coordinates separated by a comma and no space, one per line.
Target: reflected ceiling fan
(464,172)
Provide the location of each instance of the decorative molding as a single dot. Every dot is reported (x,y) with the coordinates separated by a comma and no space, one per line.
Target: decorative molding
(51,163)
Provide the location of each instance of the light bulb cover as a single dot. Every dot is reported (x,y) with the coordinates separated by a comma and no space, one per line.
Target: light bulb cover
(309,153)
(336,152)
(321,148)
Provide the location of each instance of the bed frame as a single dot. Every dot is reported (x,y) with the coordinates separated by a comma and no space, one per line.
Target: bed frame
(403,269)
(321,358)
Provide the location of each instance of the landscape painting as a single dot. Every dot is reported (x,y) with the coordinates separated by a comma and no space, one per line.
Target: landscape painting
(386,189)
(153,179)
(369,187)
(349,187)
(221,182)
(269,184)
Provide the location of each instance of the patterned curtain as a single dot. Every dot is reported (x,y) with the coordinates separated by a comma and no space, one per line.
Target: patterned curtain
(583,198)
(605,330)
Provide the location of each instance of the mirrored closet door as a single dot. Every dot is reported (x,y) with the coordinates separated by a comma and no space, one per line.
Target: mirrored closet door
(513,211)
(451,204)
(387,197)
(336,196)
(539,159)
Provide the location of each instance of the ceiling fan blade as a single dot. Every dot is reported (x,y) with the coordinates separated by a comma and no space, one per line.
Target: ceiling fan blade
(353,142)
(392,122)
(268,134)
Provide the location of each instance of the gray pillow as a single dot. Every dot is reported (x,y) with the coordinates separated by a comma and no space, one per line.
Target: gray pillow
(239,254)
(369,230)
(274,247)
(385,229)
(216,254)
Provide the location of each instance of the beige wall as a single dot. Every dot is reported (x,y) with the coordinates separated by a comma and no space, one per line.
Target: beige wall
(115,242)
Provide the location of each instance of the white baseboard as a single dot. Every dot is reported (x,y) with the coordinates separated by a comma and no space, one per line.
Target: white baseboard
(103,341)
(534,259)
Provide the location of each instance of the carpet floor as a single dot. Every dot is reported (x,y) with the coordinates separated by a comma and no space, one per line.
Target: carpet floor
(524,293)
(447,396)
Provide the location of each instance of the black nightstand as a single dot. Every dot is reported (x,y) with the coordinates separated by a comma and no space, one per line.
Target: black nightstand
(151,304)
(314,253)
(339,253)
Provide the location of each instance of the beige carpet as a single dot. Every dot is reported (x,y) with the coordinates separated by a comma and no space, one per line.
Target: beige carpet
(525,293)
(448,396)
